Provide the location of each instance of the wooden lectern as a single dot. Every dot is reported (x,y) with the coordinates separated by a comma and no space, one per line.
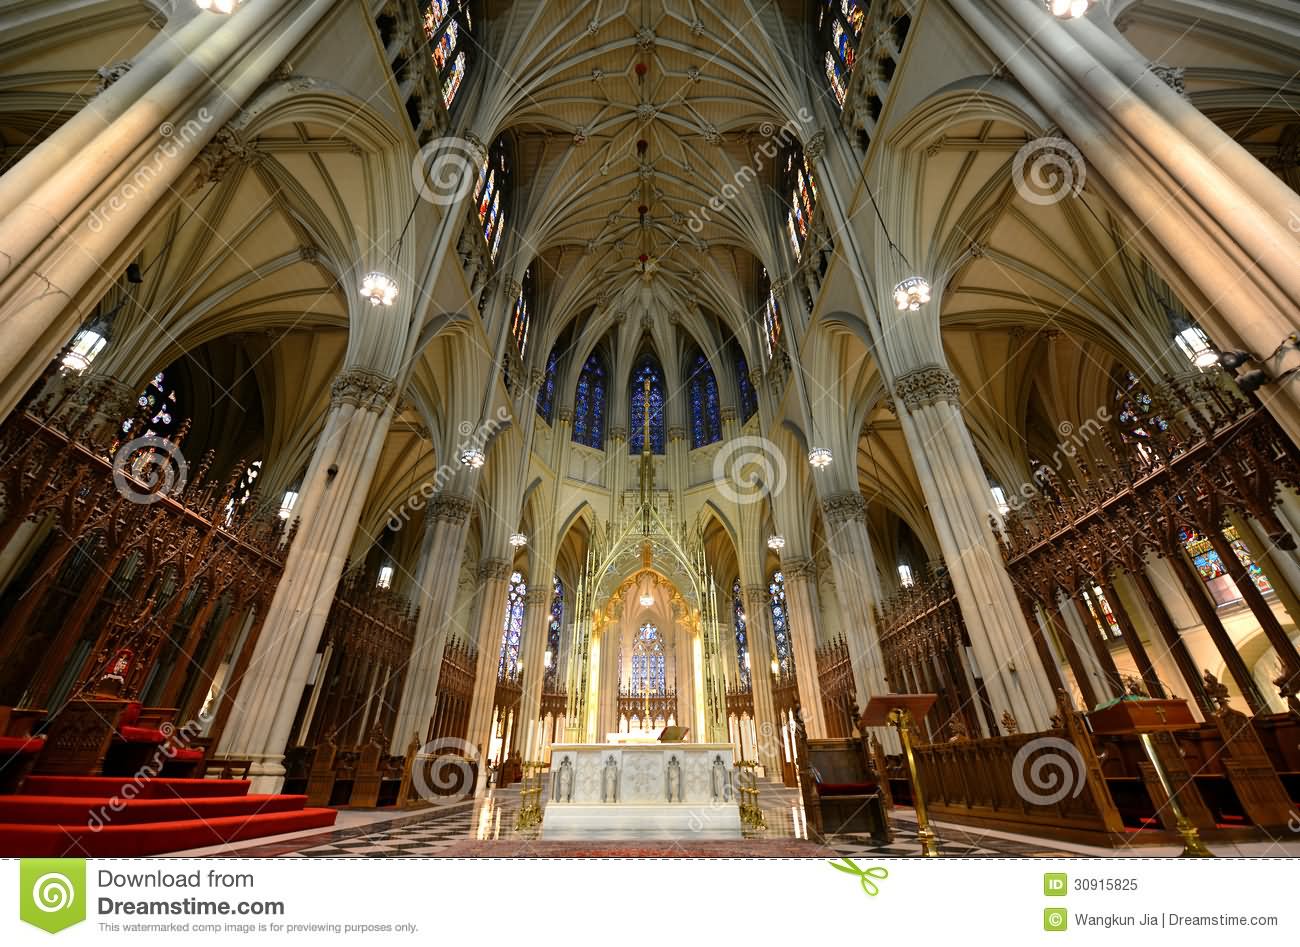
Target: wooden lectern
(899,710)
(1141,717)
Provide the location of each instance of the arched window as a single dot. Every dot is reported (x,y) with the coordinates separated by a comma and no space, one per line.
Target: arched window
(447,25)
(589,404)
(706,416)
(647,371)
(839,23)
(802,188)
(742,636)
(553,633)
(1137,418)
(748,396)
(546,393)
(780,623)
(648,665)
(492,195)
(771,318)
(513,628)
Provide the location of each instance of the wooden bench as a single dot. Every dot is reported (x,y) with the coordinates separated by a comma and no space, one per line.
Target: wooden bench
(105,736)
(19,748)
(840,792)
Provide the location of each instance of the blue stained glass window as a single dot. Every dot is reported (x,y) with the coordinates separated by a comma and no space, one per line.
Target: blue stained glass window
(781,623)
(513,628)
(706,415)
(589,404)
(748,396)
(636,419)
(546,393)
(648,665)
(553,632)
(742,636)
(157,404)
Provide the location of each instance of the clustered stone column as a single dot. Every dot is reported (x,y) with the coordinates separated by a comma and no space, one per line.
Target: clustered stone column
(334,491)
(445,531)
(801,603)
(957,493)
(758,624)
(537,616)
(493,587)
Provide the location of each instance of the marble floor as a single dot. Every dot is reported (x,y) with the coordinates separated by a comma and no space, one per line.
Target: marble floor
(470,828)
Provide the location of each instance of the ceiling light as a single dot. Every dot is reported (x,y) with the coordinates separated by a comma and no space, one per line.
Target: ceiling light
(911,294)
(473,458)
(820,457)
(646,600)
(1068,9)
(379,289)
(218,6)
(775,542)
(518,539)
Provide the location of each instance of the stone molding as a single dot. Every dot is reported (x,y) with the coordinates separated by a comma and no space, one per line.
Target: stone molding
(449,508)
(489,569)
(844,508)
(363,389)
(799,568)
(928,386)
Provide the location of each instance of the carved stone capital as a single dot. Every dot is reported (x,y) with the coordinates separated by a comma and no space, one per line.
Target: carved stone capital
(369,391)
(565,414)
(489,569)
(110,74)
(799,568)
(816,146)
(730,414)
(225,152)
(756,597)
(449,508)
(844,508)
(1172,76)
(927,386)
(676,433)
(618,433)
(538,596)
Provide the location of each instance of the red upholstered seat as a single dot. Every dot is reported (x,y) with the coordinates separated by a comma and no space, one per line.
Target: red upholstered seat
(130,713)
(141,734)
(846,789)
(21,746)
(188,755)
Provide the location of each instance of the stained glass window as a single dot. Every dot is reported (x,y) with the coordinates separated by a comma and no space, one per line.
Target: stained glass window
(493,182)
(772,317)
(706,415)
(546,393)
(802,188)
(1137,418)
(522,318)
(1102,613)
(553,633)
(513,628)
(781,623)
(648,370)
(445,28)
(742,636)
(840,25)
(748,396)
(589,404)
(157,404)
(1212,570)
(648,665)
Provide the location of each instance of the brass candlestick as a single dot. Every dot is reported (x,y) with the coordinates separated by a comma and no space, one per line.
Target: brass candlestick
(901,718)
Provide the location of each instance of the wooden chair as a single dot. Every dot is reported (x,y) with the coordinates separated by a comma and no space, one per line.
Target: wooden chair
(840,792)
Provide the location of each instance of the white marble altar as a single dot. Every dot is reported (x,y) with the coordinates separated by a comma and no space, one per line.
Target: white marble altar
(641,791)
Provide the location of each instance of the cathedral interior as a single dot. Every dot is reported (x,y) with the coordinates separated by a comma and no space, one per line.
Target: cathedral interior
(479,425)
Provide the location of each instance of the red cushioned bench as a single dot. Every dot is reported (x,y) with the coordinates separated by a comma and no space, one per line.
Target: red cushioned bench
(18,747)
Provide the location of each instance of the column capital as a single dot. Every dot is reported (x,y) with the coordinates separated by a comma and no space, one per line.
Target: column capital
(816,146)
(538,595)
(844,508)
(489,569)
(730,415)
(799,568)
(564,414)
(676,433)
(368,390)
(756,597)
(927,386)
(618,433)
(449,508)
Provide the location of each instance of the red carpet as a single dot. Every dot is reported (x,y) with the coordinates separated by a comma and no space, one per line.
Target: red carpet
(102,817)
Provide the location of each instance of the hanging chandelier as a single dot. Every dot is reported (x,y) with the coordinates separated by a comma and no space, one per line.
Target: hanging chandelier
(820,458)
(473,458)
(1067,9)
(776,543)
(911,294)
(379,289)
(518,540)
(218,6)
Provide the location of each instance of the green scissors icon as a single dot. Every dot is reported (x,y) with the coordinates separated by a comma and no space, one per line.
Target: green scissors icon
(864,875)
